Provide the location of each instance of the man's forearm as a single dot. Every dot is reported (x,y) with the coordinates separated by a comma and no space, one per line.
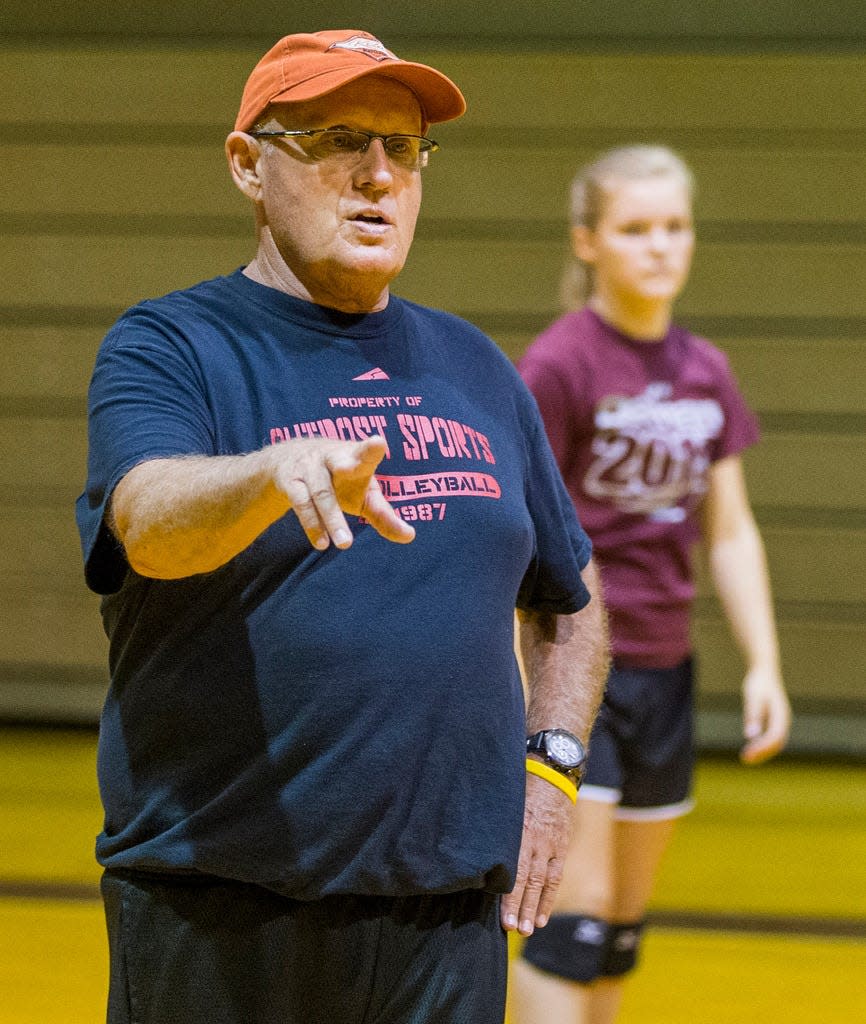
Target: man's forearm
(566,659)
(179,517)
(182,516)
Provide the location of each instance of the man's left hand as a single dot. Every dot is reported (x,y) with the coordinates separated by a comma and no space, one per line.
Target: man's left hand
(547,825)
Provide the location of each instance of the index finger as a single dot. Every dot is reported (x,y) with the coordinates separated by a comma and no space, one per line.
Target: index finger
(381,515)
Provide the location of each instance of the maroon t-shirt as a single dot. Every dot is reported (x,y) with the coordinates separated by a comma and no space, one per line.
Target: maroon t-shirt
(635,426)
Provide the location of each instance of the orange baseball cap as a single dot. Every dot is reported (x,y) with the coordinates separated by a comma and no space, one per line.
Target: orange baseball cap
(307,65)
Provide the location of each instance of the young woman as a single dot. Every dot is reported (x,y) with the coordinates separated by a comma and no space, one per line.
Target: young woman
(647,425)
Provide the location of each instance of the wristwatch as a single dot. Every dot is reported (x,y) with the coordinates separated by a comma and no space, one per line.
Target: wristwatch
(562,750)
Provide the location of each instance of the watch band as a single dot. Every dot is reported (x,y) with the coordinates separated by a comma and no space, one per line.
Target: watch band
(537,743)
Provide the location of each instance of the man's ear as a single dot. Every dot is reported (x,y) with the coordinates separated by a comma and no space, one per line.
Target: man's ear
(243,153)
(583,243)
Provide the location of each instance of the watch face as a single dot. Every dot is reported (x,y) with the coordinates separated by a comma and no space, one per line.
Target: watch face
(563,747)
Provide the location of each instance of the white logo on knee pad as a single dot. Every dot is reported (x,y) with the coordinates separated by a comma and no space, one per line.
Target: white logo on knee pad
(590,931)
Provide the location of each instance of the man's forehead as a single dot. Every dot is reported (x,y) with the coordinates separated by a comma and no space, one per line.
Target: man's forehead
(377,97)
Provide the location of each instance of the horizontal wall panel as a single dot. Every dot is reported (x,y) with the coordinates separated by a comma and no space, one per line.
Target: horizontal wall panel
(39,454)
(812,564)
(43,369)
(518,23)
(809,470)
(498,276)
(39,547)
(121,180)
(462,135)
(454,231)
(512,325)
(623,90)
(57,697)
(808,375)
(820,471)
(820,662)
(55,627)
(731,280)
(37,363)
(783,280)
(39,544)
(111,271)
(513,179)
(171,85)
(167,86)
(512,176)
(823,733)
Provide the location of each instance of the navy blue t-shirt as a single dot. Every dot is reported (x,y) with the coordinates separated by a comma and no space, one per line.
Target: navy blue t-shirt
(338,721)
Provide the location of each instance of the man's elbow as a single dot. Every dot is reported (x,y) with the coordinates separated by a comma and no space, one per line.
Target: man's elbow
(149,554)
(143,562)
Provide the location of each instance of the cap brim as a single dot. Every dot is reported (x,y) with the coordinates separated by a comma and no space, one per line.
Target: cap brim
(438,96)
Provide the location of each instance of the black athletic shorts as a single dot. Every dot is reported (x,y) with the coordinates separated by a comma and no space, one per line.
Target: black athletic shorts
(641,751)
(201,950)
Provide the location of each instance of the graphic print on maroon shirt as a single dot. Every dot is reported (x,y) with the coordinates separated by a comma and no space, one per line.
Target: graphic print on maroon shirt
(649,452)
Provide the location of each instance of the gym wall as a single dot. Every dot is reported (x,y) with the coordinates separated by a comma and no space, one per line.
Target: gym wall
(116,188)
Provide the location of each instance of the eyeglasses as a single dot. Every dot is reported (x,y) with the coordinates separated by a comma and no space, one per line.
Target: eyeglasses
(407,151)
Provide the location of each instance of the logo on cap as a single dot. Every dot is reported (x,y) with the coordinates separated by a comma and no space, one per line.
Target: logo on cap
(369,47)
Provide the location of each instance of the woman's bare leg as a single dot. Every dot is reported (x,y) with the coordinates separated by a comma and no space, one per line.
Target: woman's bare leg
(535,996)
(640,846)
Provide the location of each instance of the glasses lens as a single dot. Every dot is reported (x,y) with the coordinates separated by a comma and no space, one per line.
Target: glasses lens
(336,142)
(409,151)
(404,150)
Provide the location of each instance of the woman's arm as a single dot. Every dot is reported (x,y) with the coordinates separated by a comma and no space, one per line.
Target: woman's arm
(738,566)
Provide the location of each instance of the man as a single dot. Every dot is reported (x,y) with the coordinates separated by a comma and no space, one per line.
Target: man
(313,508)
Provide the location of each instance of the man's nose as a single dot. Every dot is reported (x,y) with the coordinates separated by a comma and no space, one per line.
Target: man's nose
(375,164)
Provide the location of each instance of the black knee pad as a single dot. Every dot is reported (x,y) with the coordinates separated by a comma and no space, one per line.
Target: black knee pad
(622,949)
(571,946)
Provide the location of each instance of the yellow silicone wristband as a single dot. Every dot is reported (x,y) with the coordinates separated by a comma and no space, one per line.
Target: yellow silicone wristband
(551,775)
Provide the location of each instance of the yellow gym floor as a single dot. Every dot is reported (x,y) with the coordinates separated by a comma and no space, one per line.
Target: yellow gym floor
(760,914)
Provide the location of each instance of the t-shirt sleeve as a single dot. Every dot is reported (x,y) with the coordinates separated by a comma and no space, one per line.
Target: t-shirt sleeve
(553,580)
(146,401)
(741,429)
